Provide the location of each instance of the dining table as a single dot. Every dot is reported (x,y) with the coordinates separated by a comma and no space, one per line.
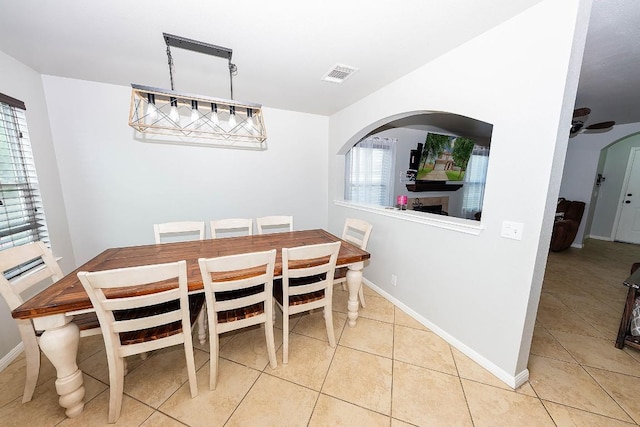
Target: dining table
(53,309)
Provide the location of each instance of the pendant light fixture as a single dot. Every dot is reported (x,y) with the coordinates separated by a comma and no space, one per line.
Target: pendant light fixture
(189,118)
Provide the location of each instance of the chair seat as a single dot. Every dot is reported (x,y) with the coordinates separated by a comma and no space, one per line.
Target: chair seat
(299,299)
(340,273)
(196,301)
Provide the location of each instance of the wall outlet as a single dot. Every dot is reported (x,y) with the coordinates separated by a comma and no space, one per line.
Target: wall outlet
(512,230)
(394,280)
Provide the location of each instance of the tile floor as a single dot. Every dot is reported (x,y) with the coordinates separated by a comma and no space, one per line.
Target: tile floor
(390,371)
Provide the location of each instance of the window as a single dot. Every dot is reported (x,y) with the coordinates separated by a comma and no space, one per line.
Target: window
(474,181)
(369,171)
(21,213)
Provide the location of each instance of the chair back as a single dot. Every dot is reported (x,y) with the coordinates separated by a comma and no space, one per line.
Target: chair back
(38,264)
(231,227)
(161,300)
(238,289)
(308,269)
(178,231)
(357,232)
(274,223)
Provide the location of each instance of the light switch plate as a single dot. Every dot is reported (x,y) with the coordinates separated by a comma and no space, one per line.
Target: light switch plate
(512,230)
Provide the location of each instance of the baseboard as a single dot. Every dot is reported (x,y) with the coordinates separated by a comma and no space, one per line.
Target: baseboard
(510,380)
(11,356)
(608,238)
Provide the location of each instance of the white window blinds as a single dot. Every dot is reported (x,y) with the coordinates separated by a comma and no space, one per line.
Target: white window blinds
(369,171)
(22,217)
(475,178)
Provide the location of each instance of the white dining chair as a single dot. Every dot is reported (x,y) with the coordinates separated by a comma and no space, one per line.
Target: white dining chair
(306,284)
(356,232)
(40,267)
(159,316)
(239,294)
(230,227)
(274,223)
(178,231)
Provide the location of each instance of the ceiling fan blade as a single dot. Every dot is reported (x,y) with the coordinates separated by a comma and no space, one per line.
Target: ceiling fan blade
(581,112)
(601,126)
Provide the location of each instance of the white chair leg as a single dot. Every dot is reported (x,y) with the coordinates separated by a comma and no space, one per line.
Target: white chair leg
(32,356)
(285,337)
(214,350)
(344,286)
(191,367)
(116,388)
(361,296)
(271,347)
(328,320)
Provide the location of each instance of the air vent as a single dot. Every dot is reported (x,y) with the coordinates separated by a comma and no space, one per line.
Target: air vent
(338,73)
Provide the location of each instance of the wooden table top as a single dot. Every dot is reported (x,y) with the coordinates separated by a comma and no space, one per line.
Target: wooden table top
(68,295)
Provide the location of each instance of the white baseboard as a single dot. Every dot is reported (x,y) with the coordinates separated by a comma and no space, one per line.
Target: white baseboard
(510,380)
(608,238)
(11,356)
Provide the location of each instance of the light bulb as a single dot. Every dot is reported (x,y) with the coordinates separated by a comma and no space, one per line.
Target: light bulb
(194,111)
(214,114)
(173,114)
(250,118)
(232,117)
(152,111)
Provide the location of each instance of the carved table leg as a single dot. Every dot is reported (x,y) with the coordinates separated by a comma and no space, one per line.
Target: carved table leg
(354,281)
(60,345)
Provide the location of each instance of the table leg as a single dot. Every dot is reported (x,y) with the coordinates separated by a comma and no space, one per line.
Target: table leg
(354,281)
(60,345)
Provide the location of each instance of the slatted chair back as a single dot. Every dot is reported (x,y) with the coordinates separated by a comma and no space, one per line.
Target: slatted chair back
(231,227)
(157,317)
(274,224)
(307,284)
(239,294)
(178,231)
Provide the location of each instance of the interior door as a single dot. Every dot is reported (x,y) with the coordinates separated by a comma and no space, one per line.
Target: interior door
(629,224)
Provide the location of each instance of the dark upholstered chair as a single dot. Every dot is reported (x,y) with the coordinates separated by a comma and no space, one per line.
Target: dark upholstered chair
(568,216)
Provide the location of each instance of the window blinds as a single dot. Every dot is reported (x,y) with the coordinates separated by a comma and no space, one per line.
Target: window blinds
(369,171)
(22,217)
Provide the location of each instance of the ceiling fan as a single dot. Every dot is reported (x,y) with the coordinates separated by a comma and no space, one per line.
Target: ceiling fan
(580,116)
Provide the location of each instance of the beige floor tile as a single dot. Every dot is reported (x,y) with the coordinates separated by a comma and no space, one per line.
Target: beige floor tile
(397,423)
(97,366)
(249,347)
(423,348)
(313,325)
(330,411)
(309,361)
(164,372)
(470,370)
(598,353)
(274,402)
(212,407)
(378,308)
(569,384)
(42,410)
(12,380)
(546,345)
(89,346)
(624,389)
(425,397)
(96,413)
(491,406)
(360,378)
(371,336)
(403,319)
(566,321)
(565,416)
(158,419)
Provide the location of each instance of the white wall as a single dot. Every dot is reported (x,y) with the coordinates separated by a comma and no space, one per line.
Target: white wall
(480,291)
(21,82)
(579,175)
(116,187)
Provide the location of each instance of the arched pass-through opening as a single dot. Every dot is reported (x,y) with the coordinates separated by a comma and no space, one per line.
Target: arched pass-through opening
(438,163)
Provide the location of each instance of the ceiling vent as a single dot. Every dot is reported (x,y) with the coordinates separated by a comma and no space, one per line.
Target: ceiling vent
(338,73)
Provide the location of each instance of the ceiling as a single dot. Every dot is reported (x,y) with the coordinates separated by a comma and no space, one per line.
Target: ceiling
(282,48)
